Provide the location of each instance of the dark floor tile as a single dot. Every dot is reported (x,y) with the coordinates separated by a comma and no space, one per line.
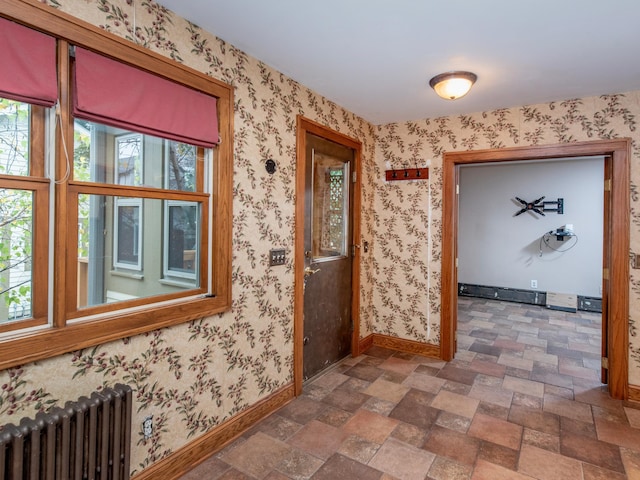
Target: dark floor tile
(353,385)
(535,419)
(499,455)
(563,352)
(415,409)
(410,434)
(569,425)
(556,379)
(493,410)
(298,465)
(485,349)
(275,426)
(302,410)
(487,335)
(457,374)
(346,400)
(370,361)
(427,370)
(593,451)
(454,445)
(380,352)
(336,417)
(213,467)
(364,372)
(591,472)
(394,377)
(341,467)
(404,355)
(233,474)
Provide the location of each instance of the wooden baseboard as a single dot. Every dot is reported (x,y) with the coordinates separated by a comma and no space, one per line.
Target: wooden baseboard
(400,344)
(194,453)
(634,393)
(365,343)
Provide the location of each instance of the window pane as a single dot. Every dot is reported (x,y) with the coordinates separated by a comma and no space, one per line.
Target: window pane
(124,245)
(111,155)
(181,239)
(181,166)
(14,137)
(129,159)
(330,206)
(16,225)
(128,236)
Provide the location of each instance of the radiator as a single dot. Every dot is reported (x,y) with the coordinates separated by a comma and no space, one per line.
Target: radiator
(89,439)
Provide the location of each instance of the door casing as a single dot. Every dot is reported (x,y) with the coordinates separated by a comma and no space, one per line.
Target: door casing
(305,126)
(616,229)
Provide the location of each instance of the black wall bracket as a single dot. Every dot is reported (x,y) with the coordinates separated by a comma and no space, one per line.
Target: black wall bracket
(539,206)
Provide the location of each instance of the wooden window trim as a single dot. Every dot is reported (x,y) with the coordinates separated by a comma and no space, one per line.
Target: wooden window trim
(64,335)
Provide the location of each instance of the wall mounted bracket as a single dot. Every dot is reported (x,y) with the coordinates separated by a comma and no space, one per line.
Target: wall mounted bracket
(539,206)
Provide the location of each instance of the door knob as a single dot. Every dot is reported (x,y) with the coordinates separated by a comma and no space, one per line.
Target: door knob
(309,271)
(305,340)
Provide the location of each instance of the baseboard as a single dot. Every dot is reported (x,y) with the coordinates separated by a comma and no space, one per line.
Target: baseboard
(365,343)
(186,458)
(634,393)
(532,297)
(402,345)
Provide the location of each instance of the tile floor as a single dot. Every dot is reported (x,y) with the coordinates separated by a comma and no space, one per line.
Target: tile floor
(521,400)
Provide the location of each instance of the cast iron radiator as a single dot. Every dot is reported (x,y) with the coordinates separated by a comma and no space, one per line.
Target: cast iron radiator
(87,439)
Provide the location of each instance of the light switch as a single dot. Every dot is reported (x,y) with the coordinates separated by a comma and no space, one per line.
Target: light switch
(277,256)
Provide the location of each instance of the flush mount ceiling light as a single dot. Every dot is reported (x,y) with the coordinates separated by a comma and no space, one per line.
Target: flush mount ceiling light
(453,85)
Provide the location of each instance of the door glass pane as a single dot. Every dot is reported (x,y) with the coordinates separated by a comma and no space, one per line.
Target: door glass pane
(330,206)
(16,225)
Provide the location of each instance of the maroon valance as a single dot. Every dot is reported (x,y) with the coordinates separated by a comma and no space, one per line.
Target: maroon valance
(28,62)
(113,93)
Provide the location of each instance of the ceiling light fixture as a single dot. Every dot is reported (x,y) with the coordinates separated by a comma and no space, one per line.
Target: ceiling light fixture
(453,85)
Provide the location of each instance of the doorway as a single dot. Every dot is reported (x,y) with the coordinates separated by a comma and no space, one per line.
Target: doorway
(326,254)
(615,273)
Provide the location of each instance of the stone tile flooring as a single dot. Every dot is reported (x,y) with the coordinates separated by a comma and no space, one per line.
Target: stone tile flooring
(521,400)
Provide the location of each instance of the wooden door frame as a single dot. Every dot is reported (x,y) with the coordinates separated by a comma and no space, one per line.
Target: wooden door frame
(304,126)
(616,227)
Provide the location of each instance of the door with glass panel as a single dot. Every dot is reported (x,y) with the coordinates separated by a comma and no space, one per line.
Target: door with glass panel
(328,240)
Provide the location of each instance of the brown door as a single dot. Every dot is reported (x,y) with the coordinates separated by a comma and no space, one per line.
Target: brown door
(327,254)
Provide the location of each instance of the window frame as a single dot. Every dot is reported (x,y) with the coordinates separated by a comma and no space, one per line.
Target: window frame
(72,330)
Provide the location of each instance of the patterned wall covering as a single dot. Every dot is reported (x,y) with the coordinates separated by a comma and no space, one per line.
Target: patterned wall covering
(407,216)
(196,375)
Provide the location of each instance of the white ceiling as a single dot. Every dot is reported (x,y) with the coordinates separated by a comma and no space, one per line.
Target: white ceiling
(375,57)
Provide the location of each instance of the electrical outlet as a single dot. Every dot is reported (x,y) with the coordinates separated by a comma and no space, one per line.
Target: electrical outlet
(147,427)
(534,283)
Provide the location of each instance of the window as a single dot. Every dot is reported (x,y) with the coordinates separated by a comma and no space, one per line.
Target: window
(127,218)
(131,184)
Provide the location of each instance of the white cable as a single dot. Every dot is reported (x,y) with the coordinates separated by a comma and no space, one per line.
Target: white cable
(67,172)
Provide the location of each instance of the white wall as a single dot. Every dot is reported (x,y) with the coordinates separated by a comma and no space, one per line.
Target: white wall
(496,248)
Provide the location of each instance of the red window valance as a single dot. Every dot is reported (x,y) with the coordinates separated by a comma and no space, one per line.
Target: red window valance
(110,92)
(28,62)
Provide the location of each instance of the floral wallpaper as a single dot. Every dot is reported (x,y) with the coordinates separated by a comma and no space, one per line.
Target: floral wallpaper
(407,217)
(192,377)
